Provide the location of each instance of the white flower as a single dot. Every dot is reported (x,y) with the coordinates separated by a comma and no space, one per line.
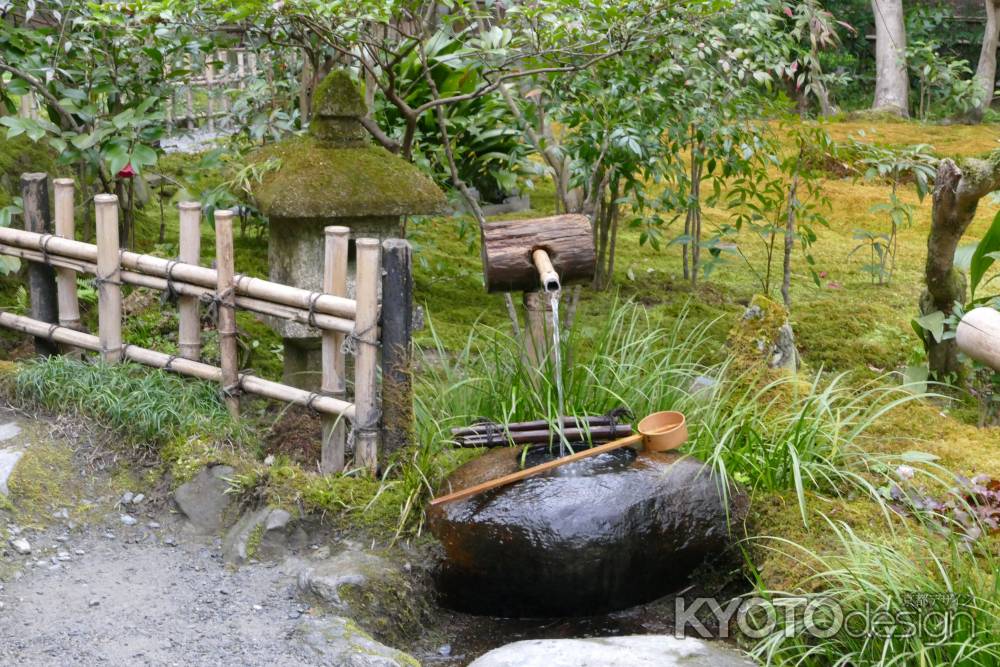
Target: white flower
(905,472)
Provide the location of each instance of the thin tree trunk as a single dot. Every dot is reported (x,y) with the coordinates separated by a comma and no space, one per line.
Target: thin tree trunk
(957,192)
(786,281)
(891,79)
(695,219)
(986,70)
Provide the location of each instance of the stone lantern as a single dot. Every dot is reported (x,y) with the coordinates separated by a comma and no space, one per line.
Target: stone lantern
(333,175)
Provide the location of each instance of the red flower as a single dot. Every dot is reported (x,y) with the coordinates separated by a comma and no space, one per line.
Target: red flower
(127,171)
(788,11)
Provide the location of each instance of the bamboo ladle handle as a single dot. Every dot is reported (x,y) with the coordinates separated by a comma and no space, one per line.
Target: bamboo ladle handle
(660,431)
(534,470)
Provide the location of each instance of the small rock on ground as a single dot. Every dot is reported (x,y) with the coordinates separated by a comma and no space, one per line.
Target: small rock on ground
(339,642)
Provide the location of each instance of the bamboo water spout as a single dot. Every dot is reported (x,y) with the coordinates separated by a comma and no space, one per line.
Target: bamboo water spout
(546,272)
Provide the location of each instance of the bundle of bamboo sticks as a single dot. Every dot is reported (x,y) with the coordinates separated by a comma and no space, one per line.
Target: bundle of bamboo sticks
(593,429)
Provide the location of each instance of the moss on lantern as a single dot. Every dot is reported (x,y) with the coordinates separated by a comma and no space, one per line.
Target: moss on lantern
(335,172)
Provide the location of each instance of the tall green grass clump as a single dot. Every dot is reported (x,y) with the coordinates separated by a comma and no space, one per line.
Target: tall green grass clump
(770,432)
(140,404)
(924,599)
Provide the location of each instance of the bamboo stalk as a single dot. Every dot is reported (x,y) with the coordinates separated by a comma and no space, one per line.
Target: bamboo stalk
(69,305)
(257,288)
(594,435)
(189,315)
(334,372)
(366,357)
(226,295)
(187,289)
(109,289)
(197,369)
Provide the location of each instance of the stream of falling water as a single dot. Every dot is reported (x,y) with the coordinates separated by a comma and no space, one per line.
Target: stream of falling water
(564,447)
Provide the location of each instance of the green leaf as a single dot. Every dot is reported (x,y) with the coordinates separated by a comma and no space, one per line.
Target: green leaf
(117,157)
(982,259)
(934,323)
(143,156)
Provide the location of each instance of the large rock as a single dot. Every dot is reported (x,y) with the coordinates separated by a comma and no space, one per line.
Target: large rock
(633,651)
(339,642)
(763,335)
(204,499)
(10,454)
(262,533)
(380,596)
(601,534)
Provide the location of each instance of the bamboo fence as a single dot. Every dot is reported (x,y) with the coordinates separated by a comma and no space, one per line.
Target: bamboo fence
(345,324)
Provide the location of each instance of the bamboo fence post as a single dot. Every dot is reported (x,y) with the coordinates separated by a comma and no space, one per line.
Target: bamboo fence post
(69,304)
(189,327)
(397,328)
(108,278)
(209,93)
(365,337)
(241,69)
(334,383)
(226,302)
(41,277)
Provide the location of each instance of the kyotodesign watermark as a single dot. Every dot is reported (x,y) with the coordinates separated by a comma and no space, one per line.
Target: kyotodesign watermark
(933,617)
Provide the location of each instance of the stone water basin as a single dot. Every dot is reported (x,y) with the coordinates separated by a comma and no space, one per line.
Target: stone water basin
(598,535)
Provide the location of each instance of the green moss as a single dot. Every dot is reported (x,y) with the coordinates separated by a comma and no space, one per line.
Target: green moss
(319,182)
(185,456)
(338,95)
(44,480)
(753,336)
(254,540)
(21,155)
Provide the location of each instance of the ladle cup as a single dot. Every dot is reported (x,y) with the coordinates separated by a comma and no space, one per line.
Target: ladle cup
(658,432)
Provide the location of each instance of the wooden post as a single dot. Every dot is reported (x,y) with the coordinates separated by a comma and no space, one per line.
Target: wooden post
(334,384)
(226,295)
(397,330)
(41,277)
(189,328)
(69,304)
(210,93)
(108,278)
(366,356)
(537,311)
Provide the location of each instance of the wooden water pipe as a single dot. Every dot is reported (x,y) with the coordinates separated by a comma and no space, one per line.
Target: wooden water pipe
(511,262)
(978,336)
(537,257)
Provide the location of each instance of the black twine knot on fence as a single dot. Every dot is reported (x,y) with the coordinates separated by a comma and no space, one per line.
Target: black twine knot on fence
(43,245)
(170,294)
(313,298)
(216,300)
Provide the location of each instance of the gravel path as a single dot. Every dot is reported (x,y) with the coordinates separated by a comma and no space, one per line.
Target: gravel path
(126,595)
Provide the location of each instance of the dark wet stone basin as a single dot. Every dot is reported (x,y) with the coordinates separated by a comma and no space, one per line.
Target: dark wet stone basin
(598,535)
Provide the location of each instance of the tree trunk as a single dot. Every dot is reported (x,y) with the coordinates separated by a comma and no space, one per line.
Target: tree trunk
(957,191)
(891,79)
(786,281)
(986,70)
